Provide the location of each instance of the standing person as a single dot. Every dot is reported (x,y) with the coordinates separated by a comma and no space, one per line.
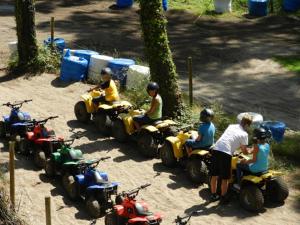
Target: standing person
(155,111)
(234,137)
(206,132)
(108,85)
(259,162)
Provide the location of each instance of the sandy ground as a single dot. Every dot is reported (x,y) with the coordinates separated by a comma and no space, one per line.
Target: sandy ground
(232,59)
(170,193)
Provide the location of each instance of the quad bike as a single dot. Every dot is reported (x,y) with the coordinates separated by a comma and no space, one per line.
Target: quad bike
(64,159)
(183,220)
(256,187)
(15,123)
(130,211)
(92,185)
(197,163)
(102,114)
(39,141)
(150,136)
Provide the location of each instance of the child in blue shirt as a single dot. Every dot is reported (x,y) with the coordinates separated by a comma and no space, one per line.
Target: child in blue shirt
(206,132)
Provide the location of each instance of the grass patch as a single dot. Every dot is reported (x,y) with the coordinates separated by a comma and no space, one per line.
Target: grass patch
(291,63)
(46,61)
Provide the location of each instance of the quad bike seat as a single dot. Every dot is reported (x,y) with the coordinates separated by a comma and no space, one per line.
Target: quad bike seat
(141,211)
(255,174)
(74,155)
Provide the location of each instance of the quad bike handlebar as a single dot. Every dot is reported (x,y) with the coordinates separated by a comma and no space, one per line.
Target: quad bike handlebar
(35,122)
(16,105)
(91,163)
(185,219)
(134,192)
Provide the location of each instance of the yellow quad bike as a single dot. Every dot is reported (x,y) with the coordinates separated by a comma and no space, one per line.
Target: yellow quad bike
(256,187)
(148,139)
(103,114)
(197,163)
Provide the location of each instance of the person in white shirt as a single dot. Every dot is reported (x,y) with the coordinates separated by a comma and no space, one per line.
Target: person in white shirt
(234,137)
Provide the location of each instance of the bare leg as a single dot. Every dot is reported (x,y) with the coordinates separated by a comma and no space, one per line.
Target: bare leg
(224,187)
(213,184)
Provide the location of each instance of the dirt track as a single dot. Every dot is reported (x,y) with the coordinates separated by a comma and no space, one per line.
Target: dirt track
(171,193)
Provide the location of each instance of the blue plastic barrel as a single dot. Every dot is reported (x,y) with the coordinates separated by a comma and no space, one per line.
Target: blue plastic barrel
(124,3)
(258,7)
(165,4)
(73,68)
(59,43)
(277,128)
(291,5)
(85,54)
(119,68)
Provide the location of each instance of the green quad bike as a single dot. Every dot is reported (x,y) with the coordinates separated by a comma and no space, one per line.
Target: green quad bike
(102,114)
(197,163)
(255,188)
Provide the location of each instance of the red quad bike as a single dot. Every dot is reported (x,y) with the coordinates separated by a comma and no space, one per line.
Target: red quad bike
(130,211)
(40,141)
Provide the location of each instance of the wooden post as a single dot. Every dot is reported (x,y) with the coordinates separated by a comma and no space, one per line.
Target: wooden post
(52,32)
(190,71)
(12,172)
(48,210)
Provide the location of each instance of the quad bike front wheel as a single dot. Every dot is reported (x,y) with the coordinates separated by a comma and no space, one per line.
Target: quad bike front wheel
(197,171)
(70,186)
(93,207)
(50,168)
(39,158)
(81,113)
(119,131)
(23,146)
(102,123)
(277,190)
(2,129)
(111,219)
(147,145)
(167,155)
(251,198)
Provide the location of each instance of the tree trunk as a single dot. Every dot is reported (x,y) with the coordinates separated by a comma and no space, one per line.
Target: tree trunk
(159,56)
(25,20)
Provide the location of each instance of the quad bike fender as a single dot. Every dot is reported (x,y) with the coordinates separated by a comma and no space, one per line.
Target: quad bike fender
(119,209)
(5,118)
(251,178)
(87,98)
(137,220)
(128,123)
(165,123)
(105,107)
(149,128)
(55,156)
(176,145)
(30,135)
(199,152)
(80,179)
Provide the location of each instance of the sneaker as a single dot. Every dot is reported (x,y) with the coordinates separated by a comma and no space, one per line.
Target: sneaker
(224,200)
(237,187)
(214,197)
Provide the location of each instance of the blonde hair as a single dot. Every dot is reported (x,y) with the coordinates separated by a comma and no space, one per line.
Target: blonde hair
(246,120)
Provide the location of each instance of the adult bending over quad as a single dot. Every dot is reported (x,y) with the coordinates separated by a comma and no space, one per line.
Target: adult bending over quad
(206,132)
(155,111)
(234,137)
(108,85)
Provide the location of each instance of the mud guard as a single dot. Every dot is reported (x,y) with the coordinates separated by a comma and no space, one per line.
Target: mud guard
(199,152)
(119,209)
(150,128)
(87,98)
(137,219)
(177,146)
(80,179)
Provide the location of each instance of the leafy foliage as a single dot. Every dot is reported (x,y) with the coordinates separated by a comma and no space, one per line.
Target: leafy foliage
(292,63)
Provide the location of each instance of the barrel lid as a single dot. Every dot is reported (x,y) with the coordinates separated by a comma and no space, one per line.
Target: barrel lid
(122,61)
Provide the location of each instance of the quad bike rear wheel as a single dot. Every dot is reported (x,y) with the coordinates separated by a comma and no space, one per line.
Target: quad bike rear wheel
(197,171)
(81,113)
(102,123)
(167,155)
(119,131)
(277,190)
(39,158)
(2,129)
(111,219)
(147,145)
(70,186)
(93,207)
(23,146)
(251,198)
(50,168)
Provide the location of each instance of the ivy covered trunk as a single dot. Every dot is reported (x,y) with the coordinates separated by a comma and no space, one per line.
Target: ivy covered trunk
(159,56)
(25,20)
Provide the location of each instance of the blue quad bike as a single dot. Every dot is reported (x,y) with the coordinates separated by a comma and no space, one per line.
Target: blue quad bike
(15,124)
(93,186)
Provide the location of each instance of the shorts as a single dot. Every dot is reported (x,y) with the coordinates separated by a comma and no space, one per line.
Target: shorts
(221,165)
(100,99)
(143,119)
(191,143)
